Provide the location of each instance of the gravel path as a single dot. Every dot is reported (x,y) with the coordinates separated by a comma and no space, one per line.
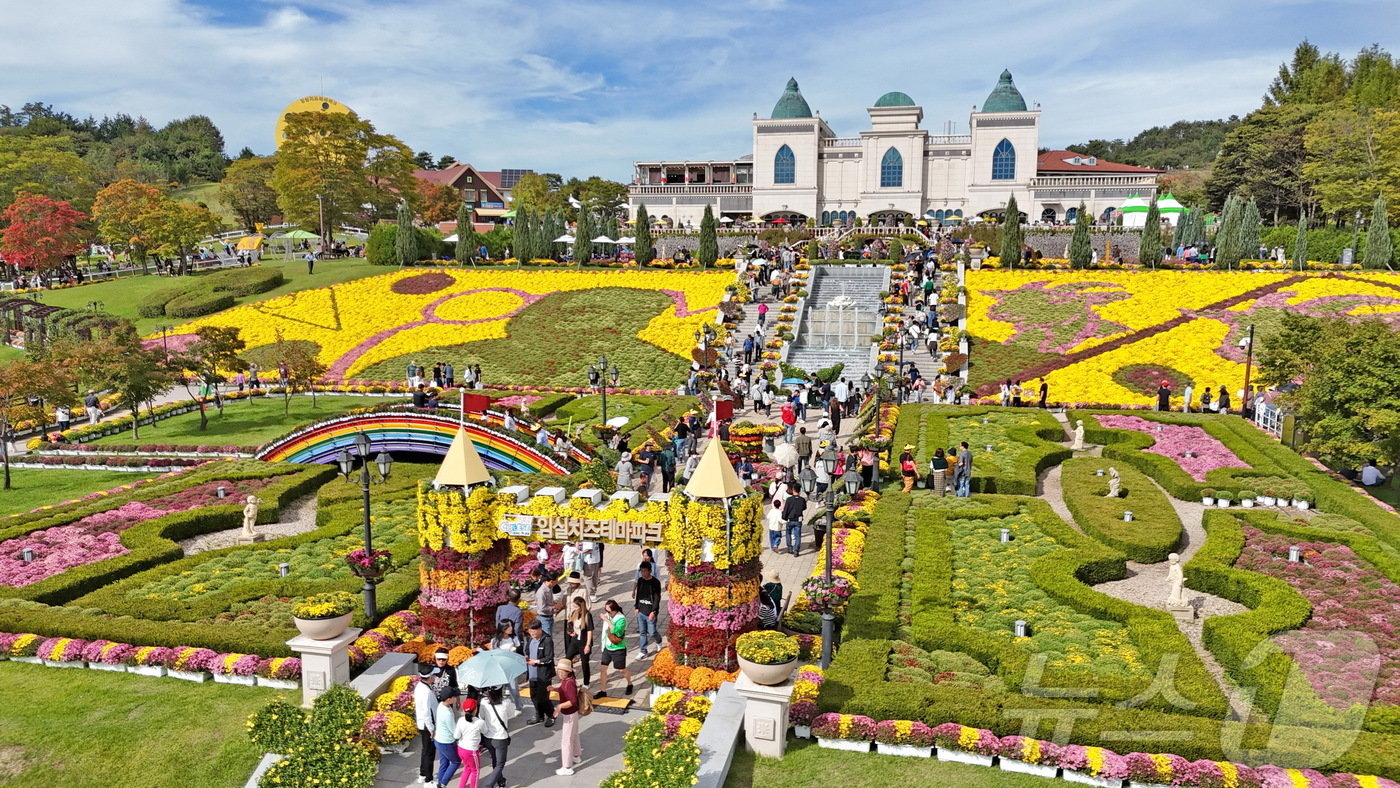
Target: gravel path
(299,517)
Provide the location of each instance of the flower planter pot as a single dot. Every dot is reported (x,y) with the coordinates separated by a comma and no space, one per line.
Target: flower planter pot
(802,731)
(850,745)
(1088,779)
(1207,501)
(970,758)
(247,681)
(278,683)
(55,664)
(118,668)
(31,660)
(394,749)
(657,690)
(1021,767)
(768,675)
(1297,504)
(323,628)
(1247,503)
(197,676)
(1265,500)
(1223,503)
(903,750)
(146,670)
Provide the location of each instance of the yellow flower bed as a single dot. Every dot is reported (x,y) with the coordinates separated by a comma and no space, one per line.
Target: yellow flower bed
(344,317)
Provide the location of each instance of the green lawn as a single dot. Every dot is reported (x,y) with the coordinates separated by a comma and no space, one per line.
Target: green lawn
(808,766)
(248,422)
(33,488)
(120,297)
(207,193)
(84,728)
(639,410)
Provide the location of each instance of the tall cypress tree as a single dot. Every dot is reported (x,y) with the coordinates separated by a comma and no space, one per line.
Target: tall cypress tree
(583,238)
(1011,238)
(1249,230)
(1380,252)
(464,232)
(708,252)
(1080,252)
(1300,246)
(1150,244)
(644,249)
(1227,234)
(405,238)
(1186,229)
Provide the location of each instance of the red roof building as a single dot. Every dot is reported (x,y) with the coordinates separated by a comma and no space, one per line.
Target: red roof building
(1067,162)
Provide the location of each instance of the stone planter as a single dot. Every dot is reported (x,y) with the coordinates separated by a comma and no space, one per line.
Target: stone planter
(247,681)
(1223,503)
(1071,776)
(31,660)
(802,731)
(146,670)
(54,664)
(1297,504)
(1021,767)
(1265,500)
(850,745)
(969,758)
(1207,501)
(197,676)
(767,675)
(394,749)
(657,690)
(1247,503)
(278,683)
(118,668)
(323,628)
(903,750)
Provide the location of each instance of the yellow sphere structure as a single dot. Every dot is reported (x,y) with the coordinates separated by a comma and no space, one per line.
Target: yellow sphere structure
(307,104)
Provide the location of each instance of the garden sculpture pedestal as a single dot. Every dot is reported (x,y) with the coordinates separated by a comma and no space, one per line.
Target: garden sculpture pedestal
(324,663)
(254,539)
(765,715)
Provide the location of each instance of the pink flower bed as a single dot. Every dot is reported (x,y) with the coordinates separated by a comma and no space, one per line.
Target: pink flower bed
(1350,648)
(97,537)
(1174,440)
(517,401)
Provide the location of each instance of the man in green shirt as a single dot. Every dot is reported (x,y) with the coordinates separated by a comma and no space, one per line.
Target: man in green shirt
(614,647)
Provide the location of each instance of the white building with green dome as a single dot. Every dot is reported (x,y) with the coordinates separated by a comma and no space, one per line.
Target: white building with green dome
(892,172)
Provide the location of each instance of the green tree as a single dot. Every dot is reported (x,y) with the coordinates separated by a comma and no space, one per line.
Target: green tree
(387,177)
(1310,78)
(47,166)
(1349,403)
(122,211)
(323,154)
(406,242)
(1380,252)
(1011,237)
(465,233)
(534,191)
(896,250)
(583,238)
(247,190)
(596,194)
(201,365)
(1189,230)
(1249,230)
(708,251)
(1352,157)
(1229,245)
(645,248)
(1265,158)
(303,368)
(28,389)
(1080,252)
(178,227)
(117,362)
(1150,244)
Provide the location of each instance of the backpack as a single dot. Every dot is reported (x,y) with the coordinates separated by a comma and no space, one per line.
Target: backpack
(585,702)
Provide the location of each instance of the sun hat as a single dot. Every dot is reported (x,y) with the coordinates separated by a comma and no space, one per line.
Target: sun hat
(627,456)
(908,447)
(564,664)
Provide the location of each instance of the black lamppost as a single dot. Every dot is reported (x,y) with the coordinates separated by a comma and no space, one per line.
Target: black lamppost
(347,465)
(850,480)
(598,379)
(1355,235)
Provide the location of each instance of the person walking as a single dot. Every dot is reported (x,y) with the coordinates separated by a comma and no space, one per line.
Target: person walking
(646,599)
(567,713)
(593,563)
(964,471)
(90,404)
(789,416)
(544,604)
(1044,392)
(803,444)
(578,637)
(445,735)
(310,262)
(507,639)
(467,734)
(614,647)
(539,662)
(793,509)
(775,522)
(938,473)
(64,417)
(908,469)
(1223,399)
(495,734)
(666,462)
(425,716)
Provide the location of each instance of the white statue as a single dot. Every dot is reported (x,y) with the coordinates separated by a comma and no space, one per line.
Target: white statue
(1113,483)
(1078,444)
(250,515)
(1176,582)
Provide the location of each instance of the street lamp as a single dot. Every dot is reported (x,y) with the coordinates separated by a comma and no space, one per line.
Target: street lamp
(1248,342)
(598,378)
(347,465)
(1355,234)
(95,306)
(321,214)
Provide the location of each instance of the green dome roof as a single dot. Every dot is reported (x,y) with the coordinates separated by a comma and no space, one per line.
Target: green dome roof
(895,99)
(791,104)
(1004,97)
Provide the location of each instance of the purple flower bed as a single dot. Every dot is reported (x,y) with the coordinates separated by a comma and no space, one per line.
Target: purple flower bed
(1352,641)
(1174,440)
(97,537)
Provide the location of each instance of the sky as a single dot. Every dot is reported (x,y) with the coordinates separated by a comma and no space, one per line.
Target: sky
(586,88)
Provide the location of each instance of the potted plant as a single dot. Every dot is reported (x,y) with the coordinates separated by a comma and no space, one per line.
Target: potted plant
(236,669)
(766,657)
(1223,498)
(1207,497)
(961,744)
(852,732)
(1027,755)
(1302,498)
(324,616)
(832,596)
(1247,498)
(911,739)
(1091,766)
(148,661)
(280,673)
(392,731)
(107,655)
(63,652)
(804,699)
(1267,498)
(190,664)
(369,566)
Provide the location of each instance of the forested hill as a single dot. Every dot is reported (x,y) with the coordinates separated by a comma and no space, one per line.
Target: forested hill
(1184,144)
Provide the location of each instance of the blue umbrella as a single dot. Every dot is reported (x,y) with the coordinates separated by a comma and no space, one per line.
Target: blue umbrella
(491,668)
(794,381)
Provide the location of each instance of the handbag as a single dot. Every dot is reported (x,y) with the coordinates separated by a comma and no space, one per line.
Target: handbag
(585,702)
(501,721)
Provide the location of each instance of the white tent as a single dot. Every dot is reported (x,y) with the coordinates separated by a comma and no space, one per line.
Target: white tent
(451,239)
(603,239)
(725,220)
(1134,211)
(627,239)
(564,239)
(1170,209)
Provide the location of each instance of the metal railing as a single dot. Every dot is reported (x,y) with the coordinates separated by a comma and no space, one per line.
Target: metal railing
(644,190)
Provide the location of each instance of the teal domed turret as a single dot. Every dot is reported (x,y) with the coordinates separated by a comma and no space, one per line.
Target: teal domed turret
(791,104)
(1004,97)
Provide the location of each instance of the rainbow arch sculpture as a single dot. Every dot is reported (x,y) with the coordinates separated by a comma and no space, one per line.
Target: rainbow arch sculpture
(428,433)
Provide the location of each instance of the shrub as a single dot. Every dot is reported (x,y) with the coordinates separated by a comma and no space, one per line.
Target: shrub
(243,281)
(277,726)
(197,303)
(1155,529)
(153,303)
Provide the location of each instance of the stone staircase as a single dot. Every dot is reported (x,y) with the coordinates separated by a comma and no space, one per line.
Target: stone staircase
(841,315)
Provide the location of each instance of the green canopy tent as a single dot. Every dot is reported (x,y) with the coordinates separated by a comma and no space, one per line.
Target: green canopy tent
(298,235)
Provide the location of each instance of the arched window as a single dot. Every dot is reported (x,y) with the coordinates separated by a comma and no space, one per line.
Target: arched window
(892,170)
(1071,214)
(1004,162)
(958,213)
(938,215)
(826,218)
(784,166)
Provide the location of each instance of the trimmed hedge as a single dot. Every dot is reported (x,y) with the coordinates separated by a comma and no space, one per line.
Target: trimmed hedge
(153,304)
(197,303)
(1041,451)
(197,297)
(1155,530)
(547,404)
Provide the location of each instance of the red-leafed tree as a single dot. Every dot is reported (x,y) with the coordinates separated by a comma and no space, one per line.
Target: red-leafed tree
(40,232)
